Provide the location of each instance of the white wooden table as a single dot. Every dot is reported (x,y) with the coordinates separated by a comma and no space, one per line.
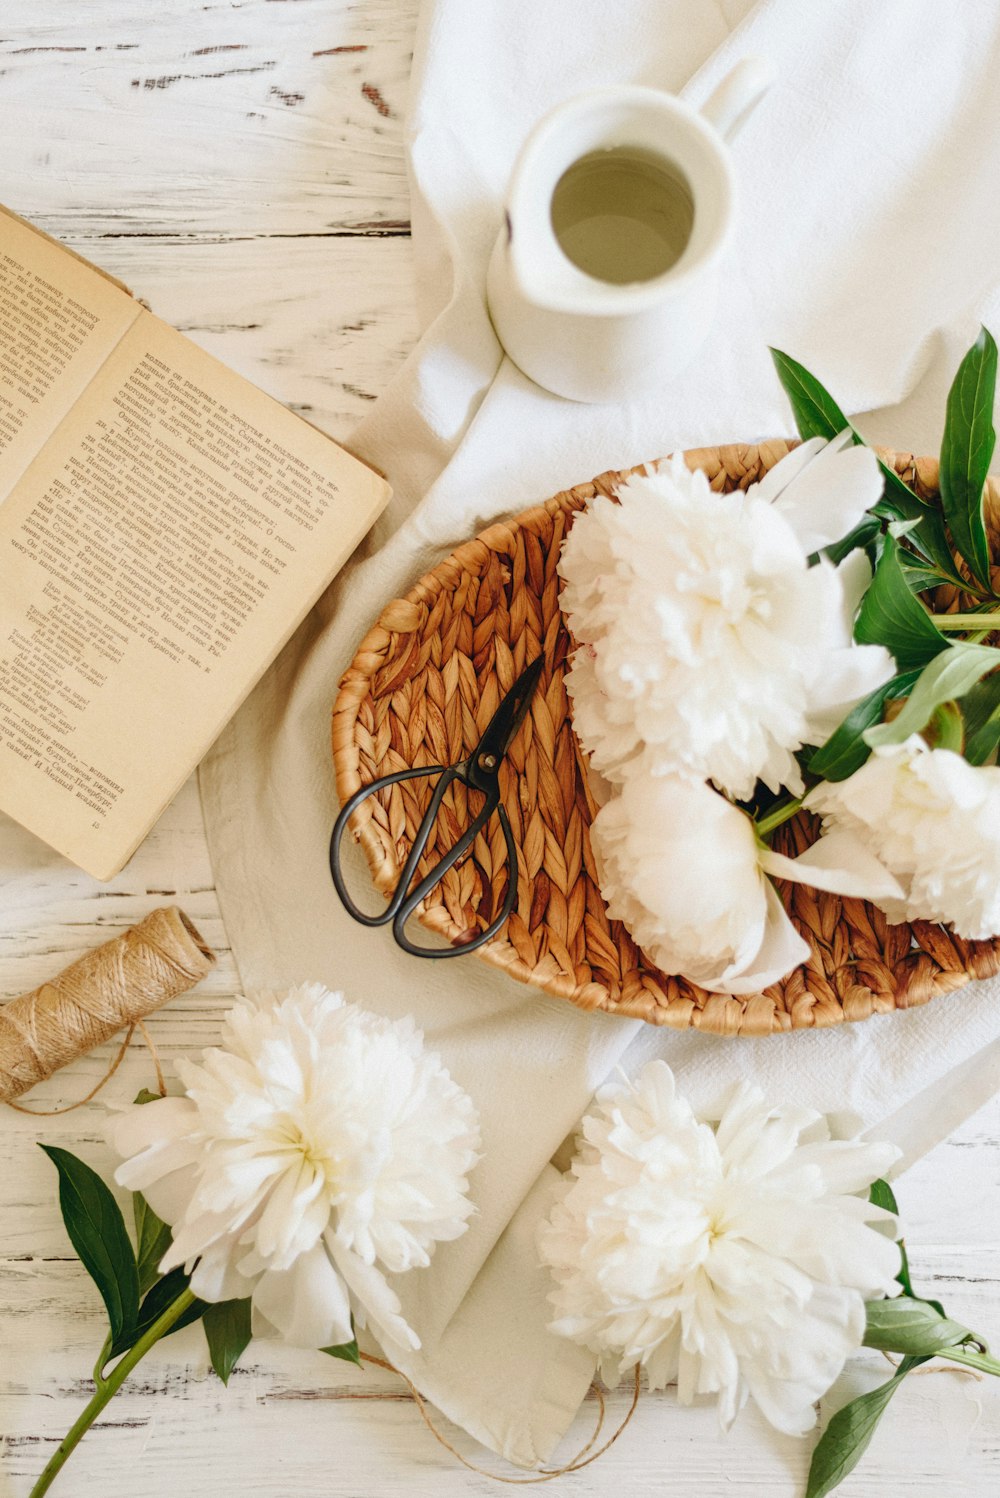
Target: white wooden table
(239,164)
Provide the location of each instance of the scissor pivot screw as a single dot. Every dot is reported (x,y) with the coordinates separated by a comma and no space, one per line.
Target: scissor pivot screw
(487,761)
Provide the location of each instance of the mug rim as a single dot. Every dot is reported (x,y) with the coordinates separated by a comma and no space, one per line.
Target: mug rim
(607,297)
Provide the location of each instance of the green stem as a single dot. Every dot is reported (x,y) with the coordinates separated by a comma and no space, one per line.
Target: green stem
(102,1360)
(967,621)
(107,1388)
(783,813)
(969,1359)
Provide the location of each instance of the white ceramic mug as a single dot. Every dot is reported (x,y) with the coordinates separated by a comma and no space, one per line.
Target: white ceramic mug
(603,280)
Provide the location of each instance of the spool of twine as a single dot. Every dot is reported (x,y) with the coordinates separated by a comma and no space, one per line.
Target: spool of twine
(110,989)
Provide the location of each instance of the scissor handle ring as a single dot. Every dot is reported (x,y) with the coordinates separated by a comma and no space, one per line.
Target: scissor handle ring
(510,899)
(382,917)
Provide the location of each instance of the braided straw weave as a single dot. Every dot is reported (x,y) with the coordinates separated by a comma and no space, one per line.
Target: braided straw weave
(422,687)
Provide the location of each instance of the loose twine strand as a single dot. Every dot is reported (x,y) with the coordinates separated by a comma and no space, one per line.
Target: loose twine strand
(547,1474)
(956,1368)
(109,989)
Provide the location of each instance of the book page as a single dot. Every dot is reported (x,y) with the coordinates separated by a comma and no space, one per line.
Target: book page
(59,321)
(155,558)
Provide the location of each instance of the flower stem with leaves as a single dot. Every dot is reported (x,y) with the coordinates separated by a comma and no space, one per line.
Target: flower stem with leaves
(918,1329)
(109,1386)
(916,547)
(143,1306)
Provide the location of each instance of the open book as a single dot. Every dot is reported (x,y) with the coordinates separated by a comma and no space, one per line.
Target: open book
(164,527)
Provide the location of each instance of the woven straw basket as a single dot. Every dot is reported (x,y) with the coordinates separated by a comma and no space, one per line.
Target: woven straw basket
(423,685)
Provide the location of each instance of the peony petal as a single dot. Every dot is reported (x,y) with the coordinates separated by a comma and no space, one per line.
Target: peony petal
(294,1215)
(855,576)
(306,1304)
(215,1276)
(716,913)
(170,1195)
(787,469)
(151,1125)
(849,675)
(831,494)
(838,862)
(373,1296)
(838,1167)
(160,1153)
(829,1239)
(194,1236)
(142,1170)
(819,1345)
(781,951)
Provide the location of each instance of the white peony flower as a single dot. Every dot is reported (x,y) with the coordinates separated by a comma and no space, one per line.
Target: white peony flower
(934,820)
(709,646)
(316,1147)
(734,1259)
(684,870)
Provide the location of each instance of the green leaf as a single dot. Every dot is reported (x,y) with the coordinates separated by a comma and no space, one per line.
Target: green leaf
(846,750)
(880,1194)
(817,414)
(944,679)
(97,1231)
(973,1354)
(891,616)
(348,1351)
(966,451)
(981,711)
(900,499)
(929,536)
(814,408)
(145,1096)
(862,535)
(913,1326)
(162,1294)
(227,1331)
(847,1437)
(946,729)
(921,576)
(901,528)
(152,1239)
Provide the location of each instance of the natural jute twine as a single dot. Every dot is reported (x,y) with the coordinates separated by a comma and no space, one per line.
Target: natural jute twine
(109,989)
(421,689)
(583,1458)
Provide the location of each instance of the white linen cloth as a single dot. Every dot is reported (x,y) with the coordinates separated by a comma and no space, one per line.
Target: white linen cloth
(867,249)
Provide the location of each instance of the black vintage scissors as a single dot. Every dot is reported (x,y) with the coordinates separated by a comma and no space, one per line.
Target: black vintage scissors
(481,772)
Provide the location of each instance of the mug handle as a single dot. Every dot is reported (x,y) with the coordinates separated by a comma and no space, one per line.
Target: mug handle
(738,95)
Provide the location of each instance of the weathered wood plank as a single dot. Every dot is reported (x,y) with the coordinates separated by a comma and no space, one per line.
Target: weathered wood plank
(294,1422)
(251,119)
(321,324)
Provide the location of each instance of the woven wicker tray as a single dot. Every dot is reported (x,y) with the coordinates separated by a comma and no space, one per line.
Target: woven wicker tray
(423,685)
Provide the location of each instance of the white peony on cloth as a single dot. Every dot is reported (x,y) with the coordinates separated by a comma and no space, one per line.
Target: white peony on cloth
(873,107)
(732,1257)
(317,1147)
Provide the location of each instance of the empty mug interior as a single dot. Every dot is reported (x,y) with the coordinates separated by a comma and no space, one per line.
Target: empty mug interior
(623,213)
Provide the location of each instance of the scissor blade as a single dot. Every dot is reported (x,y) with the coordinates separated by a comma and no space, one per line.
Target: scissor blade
(509,716)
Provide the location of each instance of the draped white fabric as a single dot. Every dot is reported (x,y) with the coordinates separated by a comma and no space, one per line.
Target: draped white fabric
(866,247)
